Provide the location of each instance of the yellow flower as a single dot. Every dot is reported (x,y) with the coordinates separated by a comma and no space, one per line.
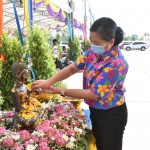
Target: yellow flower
(106,58)
(107,69)
(102,89)
(80,59)
(110,96)
(101,102)
(114,53)
(120,102)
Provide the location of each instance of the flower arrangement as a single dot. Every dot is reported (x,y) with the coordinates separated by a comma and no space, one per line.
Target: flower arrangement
(62,127)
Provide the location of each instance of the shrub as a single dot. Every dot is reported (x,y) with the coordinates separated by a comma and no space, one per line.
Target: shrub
(10,48)
(74,50)
(42,60)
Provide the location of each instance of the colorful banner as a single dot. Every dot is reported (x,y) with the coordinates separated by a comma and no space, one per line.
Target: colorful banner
(1,17)
(27,11)
(55,11)
(37,3)
(18,23)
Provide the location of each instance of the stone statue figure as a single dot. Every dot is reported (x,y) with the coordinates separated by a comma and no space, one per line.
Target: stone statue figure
(27,108)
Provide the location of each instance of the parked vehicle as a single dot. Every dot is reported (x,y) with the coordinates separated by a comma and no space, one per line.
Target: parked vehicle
(124,43)
(65,61)
(136,45)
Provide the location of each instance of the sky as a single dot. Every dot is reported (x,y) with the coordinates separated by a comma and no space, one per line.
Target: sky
(133,16)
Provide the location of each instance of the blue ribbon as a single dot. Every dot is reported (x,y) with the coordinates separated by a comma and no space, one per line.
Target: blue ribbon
(32,72)
(18,23)
(31,13)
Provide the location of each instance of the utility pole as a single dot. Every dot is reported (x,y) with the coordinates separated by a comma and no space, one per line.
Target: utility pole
(85,19)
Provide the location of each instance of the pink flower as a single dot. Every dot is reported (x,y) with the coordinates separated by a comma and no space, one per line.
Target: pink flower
(45,123)
(17,146)
(52,133)
(9,114)
(60,142)
(43,128)
(58,107)
(64,124)
(53,117)
(27,143)
(70,132)
(45,140)
(35,138)
(77,124)
(43,146)
(2,131)
(8,143)
(25,135)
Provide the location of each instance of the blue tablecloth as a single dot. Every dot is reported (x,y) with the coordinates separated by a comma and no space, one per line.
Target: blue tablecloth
(88,120)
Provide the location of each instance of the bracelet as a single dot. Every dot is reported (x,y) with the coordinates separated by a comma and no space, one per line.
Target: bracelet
(62,92)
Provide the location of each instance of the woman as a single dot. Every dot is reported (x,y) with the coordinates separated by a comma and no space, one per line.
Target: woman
(104,71)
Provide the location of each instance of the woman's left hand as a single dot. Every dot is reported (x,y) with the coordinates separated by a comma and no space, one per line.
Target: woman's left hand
(52,90)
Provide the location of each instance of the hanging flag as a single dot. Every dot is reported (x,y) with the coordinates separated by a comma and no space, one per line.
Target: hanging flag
(69,26)
(18,23)
(28,14)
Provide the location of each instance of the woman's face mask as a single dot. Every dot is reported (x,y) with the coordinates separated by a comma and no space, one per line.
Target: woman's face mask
(98,49)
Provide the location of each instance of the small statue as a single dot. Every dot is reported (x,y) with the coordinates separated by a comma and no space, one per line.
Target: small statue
(27,108)
(20,92)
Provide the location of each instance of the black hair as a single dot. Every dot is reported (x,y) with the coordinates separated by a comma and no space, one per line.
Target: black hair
(108,30)
(55,40)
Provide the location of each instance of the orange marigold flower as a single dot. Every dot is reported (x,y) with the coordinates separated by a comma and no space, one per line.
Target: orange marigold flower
(102,89)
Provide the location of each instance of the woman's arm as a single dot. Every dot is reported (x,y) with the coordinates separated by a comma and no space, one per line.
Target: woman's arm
(74,93)
(61,75)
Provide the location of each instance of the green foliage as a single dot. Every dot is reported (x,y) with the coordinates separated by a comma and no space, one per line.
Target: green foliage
(86,45)
(1,98)
(11,49)
(42,60)
(74,50)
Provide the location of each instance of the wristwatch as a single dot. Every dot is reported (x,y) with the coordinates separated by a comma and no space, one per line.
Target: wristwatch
(62,92)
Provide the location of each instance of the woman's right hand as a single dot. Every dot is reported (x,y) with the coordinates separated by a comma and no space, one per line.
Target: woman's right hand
(43,84)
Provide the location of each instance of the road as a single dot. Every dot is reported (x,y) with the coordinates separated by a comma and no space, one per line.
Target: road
(137,133)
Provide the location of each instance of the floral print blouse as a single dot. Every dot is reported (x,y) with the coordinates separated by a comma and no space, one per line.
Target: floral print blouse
(104,75)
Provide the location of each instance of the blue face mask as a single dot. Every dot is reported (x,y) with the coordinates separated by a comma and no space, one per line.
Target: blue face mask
(98,49)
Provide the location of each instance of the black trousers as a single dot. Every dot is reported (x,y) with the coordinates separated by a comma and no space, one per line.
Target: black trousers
(108,127)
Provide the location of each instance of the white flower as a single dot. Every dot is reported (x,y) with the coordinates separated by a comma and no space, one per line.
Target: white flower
(15,137)
(84,125)
(78,130)
(65,137)
(72,139)
(45,105)
(38,133)
(30,147)
(70,145)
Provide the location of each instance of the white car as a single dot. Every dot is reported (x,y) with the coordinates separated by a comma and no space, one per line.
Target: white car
(136,45)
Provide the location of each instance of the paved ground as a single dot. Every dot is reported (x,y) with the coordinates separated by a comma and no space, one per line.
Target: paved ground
(137,133)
